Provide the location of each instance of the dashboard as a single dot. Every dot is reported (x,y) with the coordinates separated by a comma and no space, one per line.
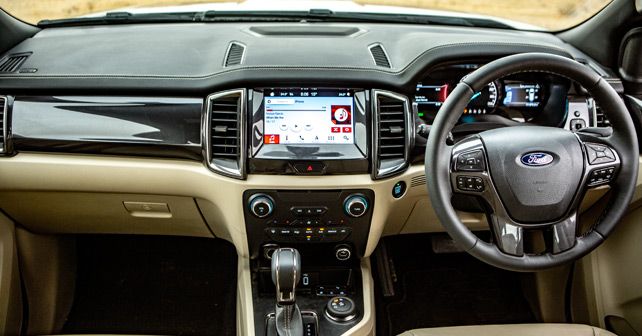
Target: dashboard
(303,136)
(322,112)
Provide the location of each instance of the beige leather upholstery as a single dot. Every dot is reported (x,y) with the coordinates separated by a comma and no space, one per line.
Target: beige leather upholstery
(541,329)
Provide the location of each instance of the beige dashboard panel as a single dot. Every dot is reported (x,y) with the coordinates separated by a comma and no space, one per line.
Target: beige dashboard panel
(81,212)
(51,177)
(48,269)
(10,292)
(612,273)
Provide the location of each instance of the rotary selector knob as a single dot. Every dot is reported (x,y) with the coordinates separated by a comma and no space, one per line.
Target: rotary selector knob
(341,309)
(261,205)
(355,205)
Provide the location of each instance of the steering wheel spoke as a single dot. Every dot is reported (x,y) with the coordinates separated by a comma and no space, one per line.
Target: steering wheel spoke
(509,236)
(564,234)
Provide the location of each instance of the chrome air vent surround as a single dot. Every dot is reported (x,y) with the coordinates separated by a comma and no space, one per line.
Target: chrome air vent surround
(393,133)
(224,136)
(3,127)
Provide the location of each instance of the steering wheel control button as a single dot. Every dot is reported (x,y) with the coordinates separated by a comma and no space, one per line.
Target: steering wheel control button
(341,309)
(309,168)
(470,183)
(601,176)
(399,189)
(355,206)
(261,205)
(471,161)
(598,154)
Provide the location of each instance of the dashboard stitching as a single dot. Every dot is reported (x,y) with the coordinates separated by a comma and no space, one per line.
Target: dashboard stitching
(261,68)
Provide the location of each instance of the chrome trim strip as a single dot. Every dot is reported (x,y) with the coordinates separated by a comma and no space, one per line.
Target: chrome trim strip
(5,128)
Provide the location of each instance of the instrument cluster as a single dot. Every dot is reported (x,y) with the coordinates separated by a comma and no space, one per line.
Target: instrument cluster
(518,97)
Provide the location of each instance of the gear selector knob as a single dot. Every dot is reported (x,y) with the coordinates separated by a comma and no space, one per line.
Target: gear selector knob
(286,272)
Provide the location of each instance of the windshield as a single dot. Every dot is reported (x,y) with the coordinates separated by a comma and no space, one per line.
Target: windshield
(521,14)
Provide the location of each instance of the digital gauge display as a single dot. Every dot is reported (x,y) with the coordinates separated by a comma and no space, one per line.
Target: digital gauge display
(521,94)
(430,97)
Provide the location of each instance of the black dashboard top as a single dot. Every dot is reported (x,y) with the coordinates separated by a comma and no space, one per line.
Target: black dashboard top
(193,57)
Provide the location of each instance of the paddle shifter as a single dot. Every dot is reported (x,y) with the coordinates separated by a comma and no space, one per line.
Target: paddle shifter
(286,271)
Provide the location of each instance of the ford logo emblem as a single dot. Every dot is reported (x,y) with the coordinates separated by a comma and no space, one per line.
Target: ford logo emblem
(537,159)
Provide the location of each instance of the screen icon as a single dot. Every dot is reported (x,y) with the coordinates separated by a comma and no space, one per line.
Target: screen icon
(271,139)
(296,128)
(341,114)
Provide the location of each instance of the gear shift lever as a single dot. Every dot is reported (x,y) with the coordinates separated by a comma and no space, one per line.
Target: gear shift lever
(286,271)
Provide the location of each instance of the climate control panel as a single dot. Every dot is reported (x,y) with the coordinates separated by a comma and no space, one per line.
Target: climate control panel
(291,217)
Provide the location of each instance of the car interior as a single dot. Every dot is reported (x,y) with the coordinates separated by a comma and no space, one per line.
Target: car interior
(320,172)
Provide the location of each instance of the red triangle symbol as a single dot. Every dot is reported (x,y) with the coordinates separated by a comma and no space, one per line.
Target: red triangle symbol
(309,168)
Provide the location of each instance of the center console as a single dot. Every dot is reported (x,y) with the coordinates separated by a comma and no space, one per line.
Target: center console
(309,131)
(330,230)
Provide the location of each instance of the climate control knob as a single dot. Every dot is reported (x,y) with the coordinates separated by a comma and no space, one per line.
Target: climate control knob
(355,205)
(261,205)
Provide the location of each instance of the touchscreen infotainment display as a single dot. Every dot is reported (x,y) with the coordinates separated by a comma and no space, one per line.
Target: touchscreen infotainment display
(308,116)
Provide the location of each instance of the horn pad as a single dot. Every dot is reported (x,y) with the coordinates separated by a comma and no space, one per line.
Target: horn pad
(536,170)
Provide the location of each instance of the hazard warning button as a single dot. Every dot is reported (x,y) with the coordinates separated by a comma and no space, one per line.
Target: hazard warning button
(305,168)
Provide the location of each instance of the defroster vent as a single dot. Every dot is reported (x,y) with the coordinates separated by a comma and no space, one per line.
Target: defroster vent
(379,56)
(225,141)
(392,133)
(12,63)
(235,53)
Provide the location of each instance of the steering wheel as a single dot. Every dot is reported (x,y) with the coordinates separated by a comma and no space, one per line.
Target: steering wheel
(532,177)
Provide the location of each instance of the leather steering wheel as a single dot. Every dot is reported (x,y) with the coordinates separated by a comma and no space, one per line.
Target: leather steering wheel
(532,177)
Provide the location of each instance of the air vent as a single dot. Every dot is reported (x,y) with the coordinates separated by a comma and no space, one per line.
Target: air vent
(600,118)
(418,181)
(12,63)
(225,133)
(234,54)
(3,125)
(379,55)
(392,129)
